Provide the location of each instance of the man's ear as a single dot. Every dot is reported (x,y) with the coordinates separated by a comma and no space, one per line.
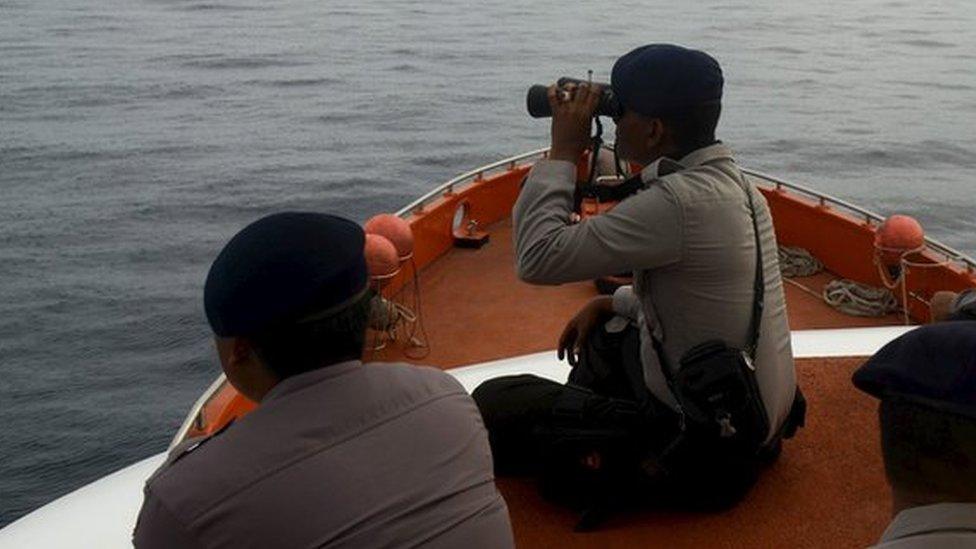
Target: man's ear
(656,133)
(244,368)
(241,353)
(235,352)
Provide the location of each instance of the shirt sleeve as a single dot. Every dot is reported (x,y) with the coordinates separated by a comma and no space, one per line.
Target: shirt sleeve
(157,527)
(642,232)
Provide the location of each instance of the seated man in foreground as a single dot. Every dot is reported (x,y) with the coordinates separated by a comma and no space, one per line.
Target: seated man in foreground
(339,453)
(926,381)
(699,239)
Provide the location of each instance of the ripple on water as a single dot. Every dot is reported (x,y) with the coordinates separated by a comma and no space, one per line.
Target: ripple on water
(928,44)
(297,82)
(785,50)
(210,6)
(336,117)
(222,62)
(933,85)
(36,99)
(405,68)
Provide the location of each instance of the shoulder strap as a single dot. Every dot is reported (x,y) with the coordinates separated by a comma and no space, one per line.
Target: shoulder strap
(759,284)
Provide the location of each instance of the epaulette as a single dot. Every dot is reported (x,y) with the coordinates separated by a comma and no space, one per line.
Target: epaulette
(185,448)
(666,166)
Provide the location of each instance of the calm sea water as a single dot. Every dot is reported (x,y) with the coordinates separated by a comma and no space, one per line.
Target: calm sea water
(136,136)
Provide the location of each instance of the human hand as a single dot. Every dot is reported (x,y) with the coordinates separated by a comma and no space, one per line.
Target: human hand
(572,115)
(579,328)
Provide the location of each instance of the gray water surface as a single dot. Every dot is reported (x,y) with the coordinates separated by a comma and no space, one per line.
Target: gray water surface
(136,136)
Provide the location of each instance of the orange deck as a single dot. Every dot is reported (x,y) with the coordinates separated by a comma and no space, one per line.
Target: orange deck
(475,308)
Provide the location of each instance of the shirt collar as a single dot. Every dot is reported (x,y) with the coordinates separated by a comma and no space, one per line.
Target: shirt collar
(297,382)
(664,165)
(931,518)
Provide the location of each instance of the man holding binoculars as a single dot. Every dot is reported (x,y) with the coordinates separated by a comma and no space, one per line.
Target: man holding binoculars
(683,384)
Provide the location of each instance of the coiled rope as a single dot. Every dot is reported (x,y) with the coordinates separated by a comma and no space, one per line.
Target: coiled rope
(857,299)
(847,296)
(795,261)
(393,320)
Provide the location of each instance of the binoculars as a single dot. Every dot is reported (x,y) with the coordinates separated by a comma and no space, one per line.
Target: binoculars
(537,100)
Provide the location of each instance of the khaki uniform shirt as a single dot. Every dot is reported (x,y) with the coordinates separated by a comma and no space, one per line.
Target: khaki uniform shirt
(688,238)
(350,455)
(939,526)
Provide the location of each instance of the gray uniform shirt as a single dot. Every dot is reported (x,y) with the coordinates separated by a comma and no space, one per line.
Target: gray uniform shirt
(938,526)
(351,455)
(688,239)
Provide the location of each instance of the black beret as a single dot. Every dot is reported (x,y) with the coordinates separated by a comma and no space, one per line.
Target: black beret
(282,268)
(660,78)
(934,364)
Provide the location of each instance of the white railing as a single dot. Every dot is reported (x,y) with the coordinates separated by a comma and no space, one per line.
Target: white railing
(470,177)
(951,254)
(194,415)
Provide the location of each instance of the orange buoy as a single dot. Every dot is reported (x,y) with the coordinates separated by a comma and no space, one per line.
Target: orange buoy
(381,257)
(395,229)
(897,236)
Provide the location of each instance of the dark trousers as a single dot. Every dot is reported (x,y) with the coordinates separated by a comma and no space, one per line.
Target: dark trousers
(605,396)
(550,430)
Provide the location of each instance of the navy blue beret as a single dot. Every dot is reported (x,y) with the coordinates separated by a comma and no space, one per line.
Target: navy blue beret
(282,268)
(660,78)
(935,364)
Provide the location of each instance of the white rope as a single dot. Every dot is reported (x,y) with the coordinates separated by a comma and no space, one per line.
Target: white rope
(795,261)
(857,299)
(846,296)
(386,314)
(393,320)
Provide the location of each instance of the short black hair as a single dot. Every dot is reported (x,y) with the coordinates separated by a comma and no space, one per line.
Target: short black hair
(692,127)
(305,346)
(928,450)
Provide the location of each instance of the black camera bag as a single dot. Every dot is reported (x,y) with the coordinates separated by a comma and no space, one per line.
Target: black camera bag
(716,386)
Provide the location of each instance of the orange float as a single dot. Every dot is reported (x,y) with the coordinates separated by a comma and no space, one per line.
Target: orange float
(396,230)
(897,236)
(382,259)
